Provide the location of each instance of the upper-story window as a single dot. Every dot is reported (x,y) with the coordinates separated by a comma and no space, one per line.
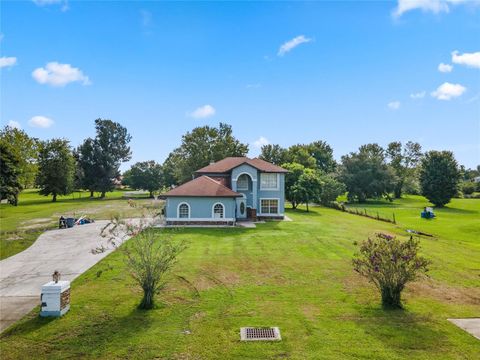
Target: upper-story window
(242,182)
(268,181)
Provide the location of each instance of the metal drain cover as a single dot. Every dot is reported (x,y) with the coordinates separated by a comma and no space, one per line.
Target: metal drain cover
(260,334)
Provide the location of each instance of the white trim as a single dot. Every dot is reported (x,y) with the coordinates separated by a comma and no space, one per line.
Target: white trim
(267,214)
(178,210)
(213,210)
(200,219)
(270,189)
(242,173)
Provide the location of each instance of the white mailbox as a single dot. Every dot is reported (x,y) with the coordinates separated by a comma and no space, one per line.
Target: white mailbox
(55,298)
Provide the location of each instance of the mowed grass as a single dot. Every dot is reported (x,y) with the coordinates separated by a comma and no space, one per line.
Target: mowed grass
(296,275)
(21,225)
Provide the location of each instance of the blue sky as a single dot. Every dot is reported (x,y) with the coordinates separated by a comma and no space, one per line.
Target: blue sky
(349,73)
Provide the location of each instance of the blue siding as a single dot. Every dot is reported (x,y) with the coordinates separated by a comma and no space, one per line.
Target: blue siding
(200,207)
(272,194)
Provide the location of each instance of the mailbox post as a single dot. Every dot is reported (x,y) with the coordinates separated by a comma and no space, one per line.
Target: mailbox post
(55,298)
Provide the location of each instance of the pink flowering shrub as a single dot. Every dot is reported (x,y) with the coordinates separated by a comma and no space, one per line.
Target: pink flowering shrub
(390,264)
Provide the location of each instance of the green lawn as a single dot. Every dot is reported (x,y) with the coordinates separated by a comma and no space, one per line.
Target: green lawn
(20,225)
(296,275)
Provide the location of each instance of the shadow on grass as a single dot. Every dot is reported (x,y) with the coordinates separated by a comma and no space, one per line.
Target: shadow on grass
(401,330)
(95,334)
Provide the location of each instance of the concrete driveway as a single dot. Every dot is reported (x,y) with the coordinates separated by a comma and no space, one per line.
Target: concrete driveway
(66,250)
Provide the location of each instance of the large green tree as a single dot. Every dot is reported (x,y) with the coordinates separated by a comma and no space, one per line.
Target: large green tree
(301,154)
(366,173)
(331,189)
(439,177)
(308,187)
(100,158)
(295,170)
(403,160)
(323,155)
(56,168)
(26,150)
(200,147)
(273,153)
(146,175)
(10,185)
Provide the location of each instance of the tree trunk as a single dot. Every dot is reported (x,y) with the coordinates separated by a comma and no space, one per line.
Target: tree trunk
(54,199)
(148,299)
(391,298)
(91,193)
(307,205)
(102,195)
(151,194)
(294,205)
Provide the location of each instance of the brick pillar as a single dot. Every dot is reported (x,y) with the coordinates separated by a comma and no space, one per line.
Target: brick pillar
(254,214)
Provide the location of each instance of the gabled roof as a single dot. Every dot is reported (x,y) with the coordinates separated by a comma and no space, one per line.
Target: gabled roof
(230,163)
(202,186)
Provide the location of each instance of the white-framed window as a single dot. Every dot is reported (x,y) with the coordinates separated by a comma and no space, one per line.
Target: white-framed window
(269,206)
(183,211)
(242,182)
(218,211)
(268,181)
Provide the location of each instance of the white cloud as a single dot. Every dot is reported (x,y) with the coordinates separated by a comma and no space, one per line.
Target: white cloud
(40,122)
(468,59)
(7,61)
(445,68)
(292,44)
(261,141)
(63,3)
(57,74)
(447,91)
(14,124)
(47,2)
(394,105)
(419,95)
(434,6)
(202,112)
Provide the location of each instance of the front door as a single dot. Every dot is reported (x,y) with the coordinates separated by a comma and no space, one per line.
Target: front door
(241,208)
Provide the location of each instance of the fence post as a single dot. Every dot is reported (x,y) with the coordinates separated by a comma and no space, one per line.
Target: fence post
(378,216)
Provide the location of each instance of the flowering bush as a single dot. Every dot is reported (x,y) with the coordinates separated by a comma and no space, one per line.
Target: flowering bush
(390,264)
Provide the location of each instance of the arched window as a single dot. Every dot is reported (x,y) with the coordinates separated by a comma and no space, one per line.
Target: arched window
(242,182)
(218,211)
(183,211)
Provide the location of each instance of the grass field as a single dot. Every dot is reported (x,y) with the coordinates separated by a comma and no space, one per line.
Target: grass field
(21,225)
(296,275)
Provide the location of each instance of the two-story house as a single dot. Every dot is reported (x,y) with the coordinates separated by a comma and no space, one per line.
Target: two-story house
(230,190)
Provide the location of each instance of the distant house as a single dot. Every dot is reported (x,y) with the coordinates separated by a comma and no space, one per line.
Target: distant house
(230,190)
(476,179)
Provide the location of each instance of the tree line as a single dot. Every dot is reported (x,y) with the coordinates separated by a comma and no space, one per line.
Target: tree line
(314,176)
(55,168)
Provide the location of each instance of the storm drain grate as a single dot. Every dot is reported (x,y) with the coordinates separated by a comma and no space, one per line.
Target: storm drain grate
(260,334)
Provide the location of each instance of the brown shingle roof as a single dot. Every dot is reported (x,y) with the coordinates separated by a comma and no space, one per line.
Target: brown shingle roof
(230,163)
(202,186)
